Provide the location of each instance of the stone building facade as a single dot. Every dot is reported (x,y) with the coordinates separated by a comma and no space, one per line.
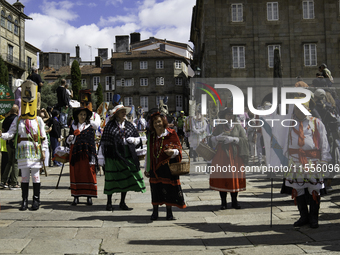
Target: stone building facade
(142,78)
(237,39)
(15,51)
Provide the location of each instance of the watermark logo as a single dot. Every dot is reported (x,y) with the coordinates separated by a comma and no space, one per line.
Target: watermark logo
(238,99)
(204,97)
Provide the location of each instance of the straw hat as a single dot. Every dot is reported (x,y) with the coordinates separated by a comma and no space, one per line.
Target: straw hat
(121,107)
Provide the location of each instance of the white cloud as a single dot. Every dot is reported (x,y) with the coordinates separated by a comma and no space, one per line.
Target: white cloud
(113,2)
(117,20)
(169,19)
(60,10)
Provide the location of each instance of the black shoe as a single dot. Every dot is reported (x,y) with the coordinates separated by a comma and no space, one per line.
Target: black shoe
(124,207)
(154,216)
(24,205)
(35,204)
(89,201)
(75,201)
(235,205)
(109,207)
(301,222)
(223,207)
(170,217)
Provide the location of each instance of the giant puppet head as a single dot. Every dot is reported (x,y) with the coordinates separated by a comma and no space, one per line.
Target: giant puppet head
(29,99)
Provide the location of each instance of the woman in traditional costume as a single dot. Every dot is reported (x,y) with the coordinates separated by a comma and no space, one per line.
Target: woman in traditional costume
(83,156)
(163,147)
(117,151)
(232,153)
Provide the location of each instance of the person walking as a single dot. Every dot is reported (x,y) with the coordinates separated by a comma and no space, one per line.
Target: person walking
(83,156)
(164,147)
(55,133)
(117,151)
(232,150)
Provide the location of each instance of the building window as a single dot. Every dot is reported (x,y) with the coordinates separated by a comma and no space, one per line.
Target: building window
(9,23)
(96,80)
(10,53)
(109,83)
(144,103)
(16,27)
(83,83)
(143,64)
(29,64)
(236,12)
(128,82)
(179,103)
(159,80)
(3,19)
(273,11)
(178,64)
(128,101)
(109,97)
(271,49)
(118,83)
(308,9)
(158,98)
(178,81)
(143,81)
(127,65)
(238,57)
(10,80)
(310,54)
(159,64)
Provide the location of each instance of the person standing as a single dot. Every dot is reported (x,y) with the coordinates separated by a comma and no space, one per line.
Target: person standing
(28,130)
(63,103)
(232,150)
(55,133)
(117,151)
(37,79)
(308,150)
(83,156)
(164,147)
(11,171)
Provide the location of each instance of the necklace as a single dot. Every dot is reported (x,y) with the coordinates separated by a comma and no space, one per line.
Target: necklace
(157,147)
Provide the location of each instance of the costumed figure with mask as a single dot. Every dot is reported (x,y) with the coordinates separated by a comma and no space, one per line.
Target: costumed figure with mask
(232,151)
(117,151)
(28,130)
(83,156)
(308,151)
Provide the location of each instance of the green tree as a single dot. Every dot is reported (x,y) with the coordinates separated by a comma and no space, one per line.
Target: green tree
(3,72)
(99,94)
(75,79)
(48,93)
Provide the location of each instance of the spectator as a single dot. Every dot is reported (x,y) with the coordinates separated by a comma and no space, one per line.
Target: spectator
(37,79)
(55,133)
(69,91)
(326,73)
(11,171)
(63,103)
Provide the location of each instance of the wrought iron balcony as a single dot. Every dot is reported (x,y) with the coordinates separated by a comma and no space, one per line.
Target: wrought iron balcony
(14,61)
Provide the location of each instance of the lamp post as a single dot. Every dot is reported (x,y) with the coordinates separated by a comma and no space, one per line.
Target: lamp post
(90,47)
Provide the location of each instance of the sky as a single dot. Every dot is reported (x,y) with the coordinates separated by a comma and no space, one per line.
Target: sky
(58,26)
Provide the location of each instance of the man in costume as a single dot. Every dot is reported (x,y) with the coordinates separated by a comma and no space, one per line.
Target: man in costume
(308,151)
(28,130)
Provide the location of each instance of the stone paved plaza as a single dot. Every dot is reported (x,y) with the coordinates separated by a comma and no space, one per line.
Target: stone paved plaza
(201,228)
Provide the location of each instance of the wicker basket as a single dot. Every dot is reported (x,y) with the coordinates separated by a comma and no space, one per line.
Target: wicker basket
(180,168)
(64,159)
(204,151)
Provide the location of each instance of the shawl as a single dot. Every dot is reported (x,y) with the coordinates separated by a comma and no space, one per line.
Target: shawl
(242,148)
(84,146)
(158,145)
(112,142)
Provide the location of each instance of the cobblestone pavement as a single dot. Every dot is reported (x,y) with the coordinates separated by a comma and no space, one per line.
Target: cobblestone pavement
(201,228)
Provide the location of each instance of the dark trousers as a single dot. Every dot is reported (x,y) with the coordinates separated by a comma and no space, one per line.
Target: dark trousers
(54,145)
